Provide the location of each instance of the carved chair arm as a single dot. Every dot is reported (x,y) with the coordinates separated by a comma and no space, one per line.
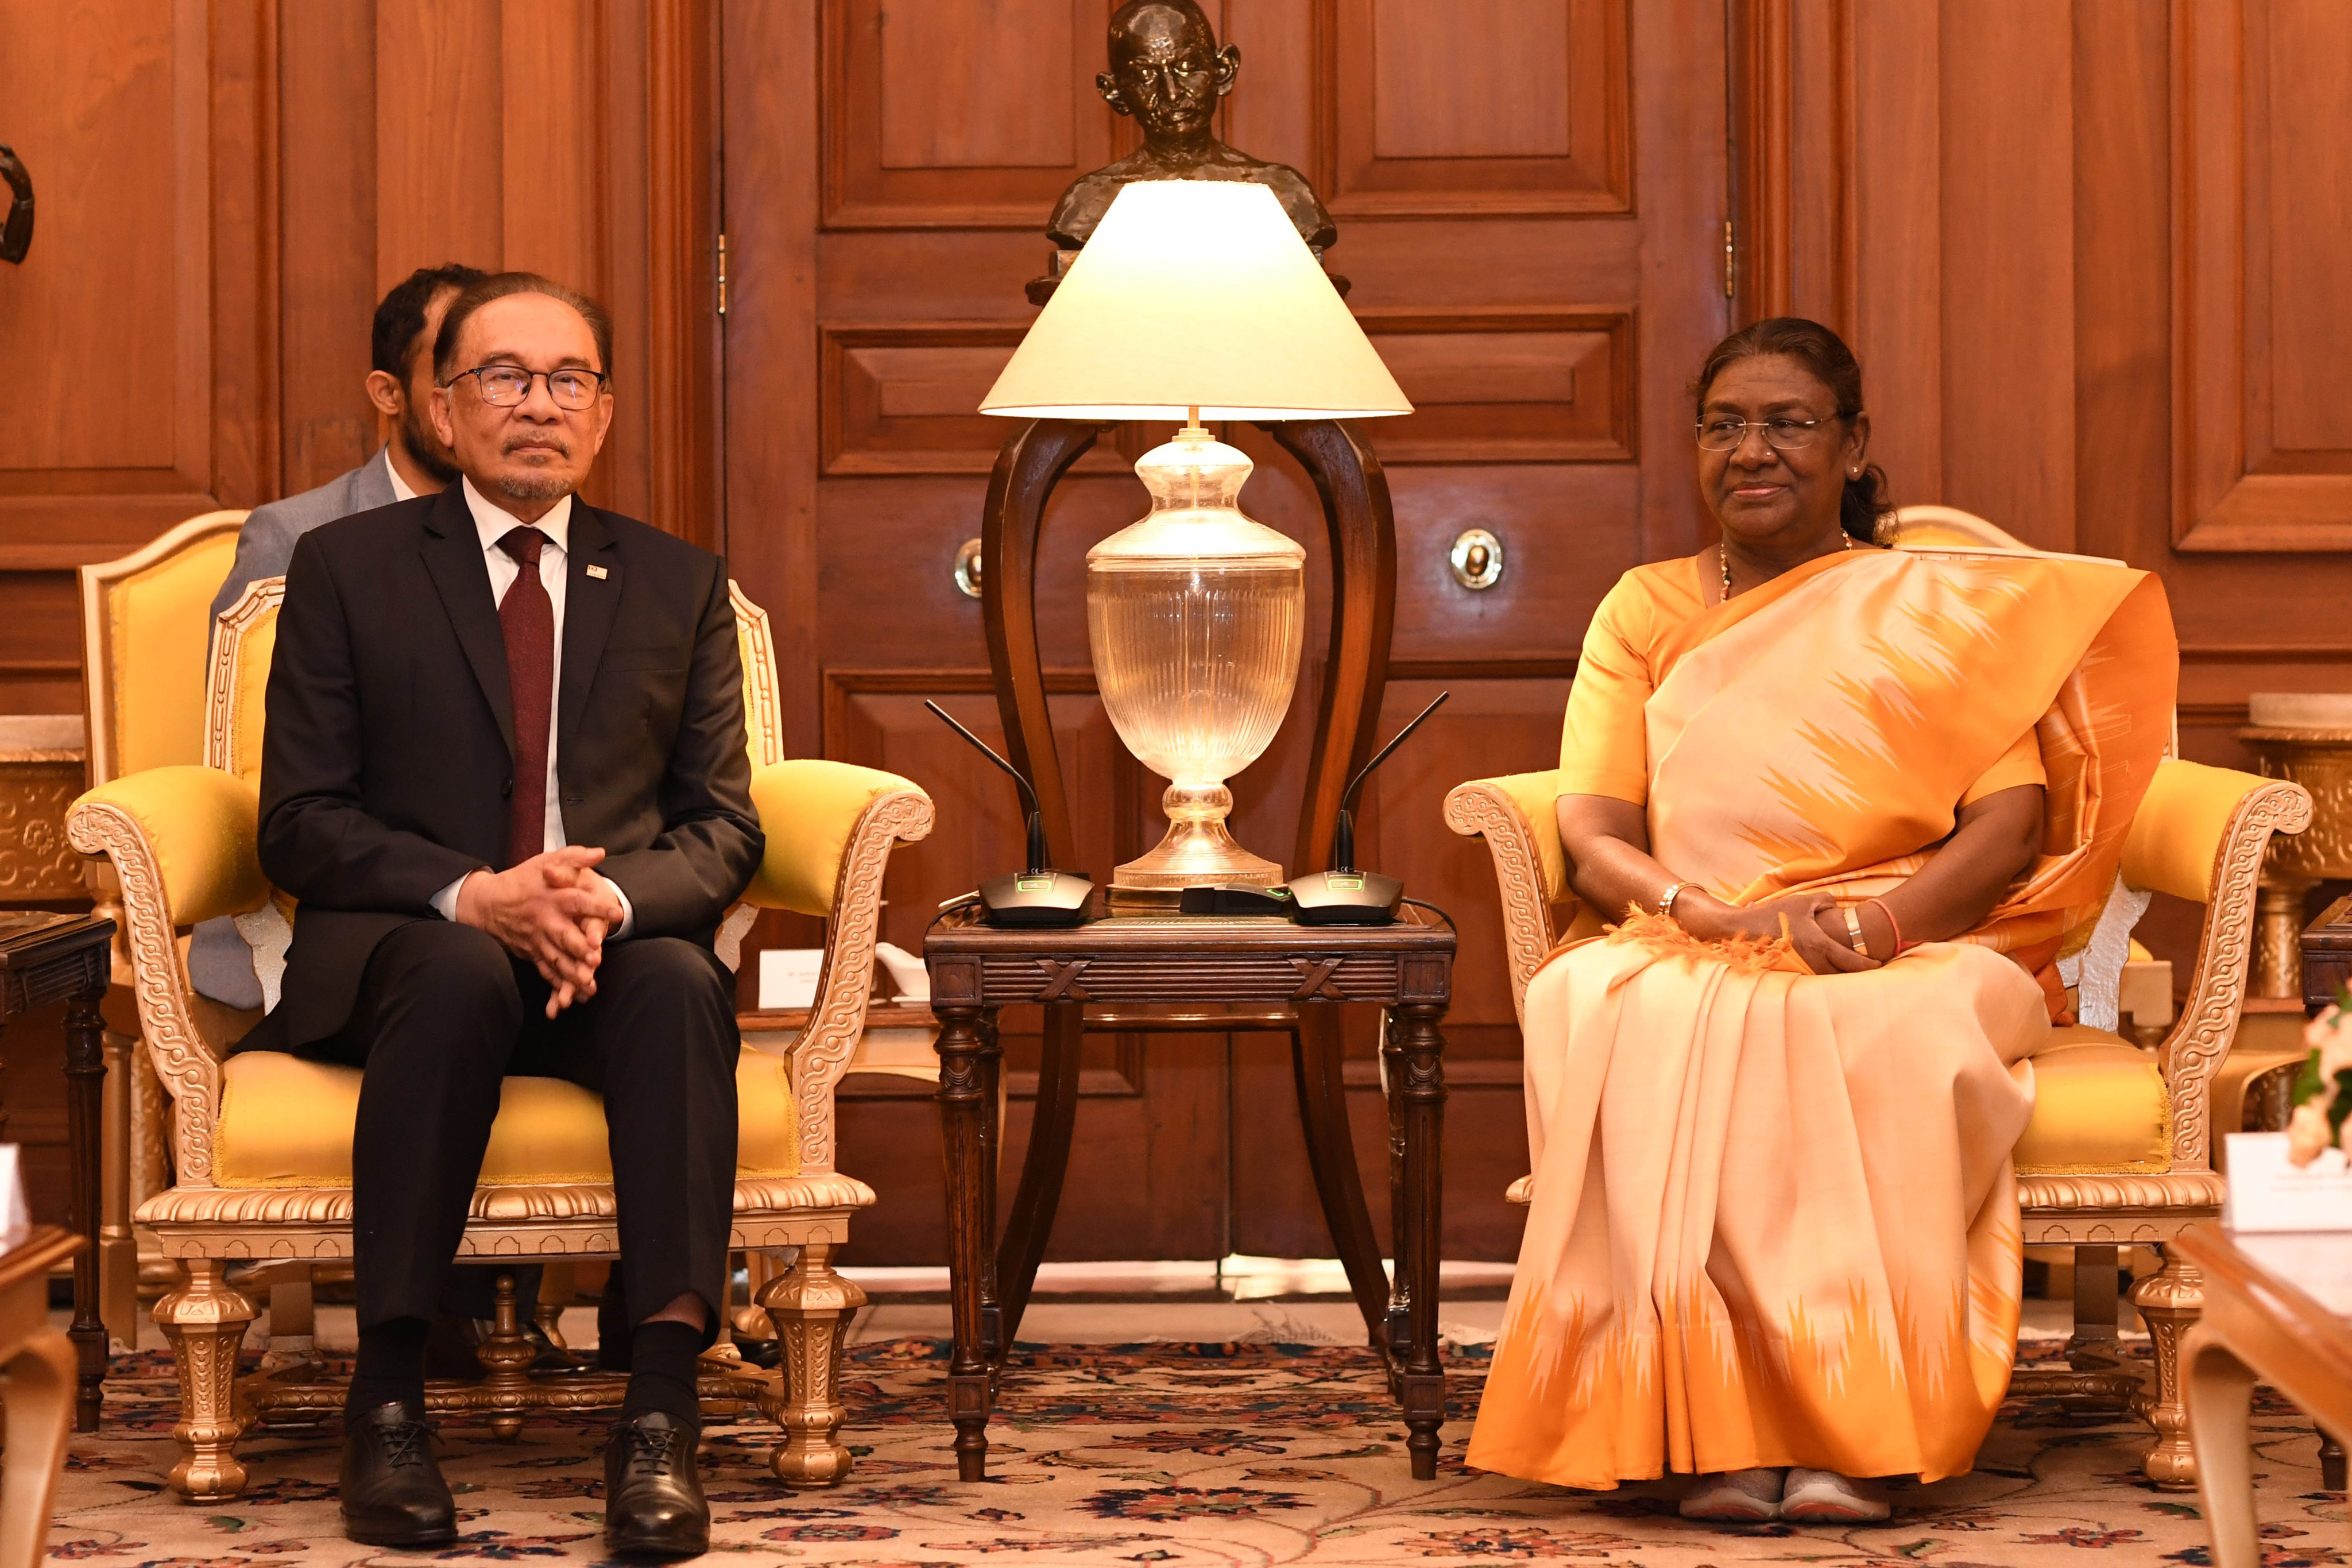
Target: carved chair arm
(2216,986)
(831,828)
(180,842)
(1515,816)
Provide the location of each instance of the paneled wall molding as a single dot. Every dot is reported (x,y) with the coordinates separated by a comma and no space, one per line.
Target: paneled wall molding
(1476,107)
(2262,441)
(1488,384)
(959,116)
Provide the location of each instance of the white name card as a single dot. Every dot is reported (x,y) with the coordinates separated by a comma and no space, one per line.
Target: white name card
(16,1217)
(788,977)
(2268,1192)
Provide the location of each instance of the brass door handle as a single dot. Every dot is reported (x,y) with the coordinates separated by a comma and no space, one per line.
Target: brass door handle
(1477,558)
(17,237)
(967,568)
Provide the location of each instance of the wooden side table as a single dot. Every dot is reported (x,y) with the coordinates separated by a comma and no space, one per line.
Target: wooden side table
(1140,961)
(39,1365)
(2258,1321)
(45,958)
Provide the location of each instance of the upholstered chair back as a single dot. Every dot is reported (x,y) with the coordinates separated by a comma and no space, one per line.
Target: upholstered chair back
(146,619)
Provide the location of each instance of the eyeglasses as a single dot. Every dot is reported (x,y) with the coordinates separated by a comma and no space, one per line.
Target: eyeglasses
(1780,434)
(506,386)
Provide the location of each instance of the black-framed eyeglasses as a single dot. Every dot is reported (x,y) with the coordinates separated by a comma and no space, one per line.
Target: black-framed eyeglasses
(1782,434)
(506,386)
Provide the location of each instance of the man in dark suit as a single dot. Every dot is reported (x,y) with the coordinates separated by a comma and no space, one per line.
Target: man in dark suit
(504,773)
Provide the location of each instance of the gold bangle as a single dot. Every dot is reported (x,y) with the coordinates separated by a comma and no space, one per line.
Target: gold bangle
(1853,924)
(1665,906)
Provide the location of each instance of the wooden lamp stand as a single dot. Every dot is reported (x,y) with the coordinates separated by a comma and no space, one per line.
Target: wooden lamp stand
(1362,530)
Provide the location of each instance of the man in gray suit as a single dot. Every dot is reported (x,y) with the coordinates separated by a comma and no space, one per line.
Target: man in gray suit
(413,461)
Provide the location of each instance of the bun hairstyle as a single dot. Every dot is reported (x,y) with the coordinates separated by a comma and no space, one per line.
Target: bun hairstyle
(1821,352)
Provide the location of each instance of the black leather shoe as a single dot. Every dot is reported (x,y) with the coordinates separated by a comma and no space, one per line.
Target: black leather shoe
(392,1492)
(652,1493)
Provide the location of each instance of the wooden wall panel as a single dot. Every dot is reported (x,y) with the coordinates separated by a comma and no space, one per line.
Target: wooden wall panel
(1475,106)
(938,113)
(2261,224)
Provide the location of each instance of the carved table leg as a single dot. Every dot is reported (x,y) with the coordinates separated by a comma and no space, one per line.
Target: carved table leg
(1316,1060)
(205,1321)
(2219,1393)
(118,1246)
(2170,1301)
(2278,936)
(85,1091)
(1400,1285)
(965,1044)
(1044,1166)
(812,1307)
(1422,1092)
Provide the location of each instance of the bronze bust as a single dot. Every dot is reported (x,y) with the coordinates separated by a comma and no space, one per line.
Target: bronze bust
(1167,70)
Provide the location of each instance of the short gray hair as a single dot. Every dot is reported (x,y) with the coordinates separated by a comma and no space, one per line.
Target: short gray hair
(499,286)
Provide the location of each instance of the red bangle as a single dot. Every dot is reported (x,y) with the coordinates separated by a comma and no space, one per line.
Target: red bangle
(1892,924)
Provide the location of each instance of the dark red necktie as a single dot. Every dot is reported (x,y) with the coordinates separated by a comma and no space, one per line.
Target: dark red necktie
(526,617)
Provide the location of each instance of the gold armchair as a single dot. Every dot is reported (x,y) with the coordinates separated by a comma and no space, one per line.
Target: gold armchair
(260,1143)
(146,621)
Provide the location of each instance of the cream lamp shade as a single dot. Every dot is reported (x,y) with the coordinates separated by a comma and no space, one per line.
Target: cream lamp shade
(1196,294)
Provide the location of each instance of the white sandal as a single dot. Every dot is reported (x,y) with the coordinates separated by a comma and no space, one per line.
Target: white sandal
(1734,1497)
(1825,1497)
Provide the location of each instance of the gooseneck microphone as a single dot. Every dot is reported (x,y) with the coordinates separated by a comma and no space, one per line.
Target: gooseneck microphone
(1345,896)
(1037,895)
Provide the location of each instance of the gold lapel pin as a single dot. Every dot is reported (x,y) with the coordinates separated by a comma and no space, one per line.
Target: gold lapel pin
(598,571)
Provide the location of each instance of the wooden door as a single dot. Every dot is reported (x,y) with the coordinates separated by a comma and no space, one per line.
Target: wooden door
(1530,196)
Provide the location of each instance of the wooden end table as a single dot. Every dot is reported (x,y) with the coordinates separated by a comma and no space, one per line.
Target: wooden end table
(39,1365)
(45,959)
(2259,1321)
(1187,961)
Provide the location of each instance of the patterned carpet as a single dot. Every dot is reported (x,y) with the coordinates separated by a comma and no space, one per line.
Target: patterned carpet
(1166,1454)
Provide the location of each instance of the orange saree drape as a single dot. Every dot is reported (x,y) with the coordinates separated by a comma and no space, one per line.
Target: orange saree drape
(1774,1220)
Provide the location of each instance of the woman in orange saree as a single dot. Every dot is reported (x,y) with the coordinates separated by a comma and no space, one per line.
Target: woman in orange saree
(1852,803)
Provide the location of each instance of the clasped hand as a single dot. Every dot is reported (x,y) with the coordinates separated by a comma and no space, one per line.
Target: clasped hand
(1816,928)
(553,909)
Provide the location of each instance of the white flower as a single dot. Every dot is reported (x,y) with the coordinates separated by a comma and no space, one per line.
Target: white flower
(2330,1034)
(2307,1133)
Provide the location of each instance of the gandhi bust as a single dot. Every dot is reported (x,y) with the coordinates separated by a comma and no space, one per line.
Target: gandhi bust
(1167,70)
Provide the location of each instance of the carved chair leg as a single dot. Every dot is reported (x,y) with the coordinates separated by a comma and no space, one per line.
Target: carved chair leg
(205,1321)
(558,1283)
(2170,1301)
(506,1357)
(812,1307)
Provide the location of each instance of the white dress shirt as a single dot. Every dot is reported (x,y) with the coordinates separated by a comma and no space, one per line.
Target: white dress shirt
(400,490)
(491,523)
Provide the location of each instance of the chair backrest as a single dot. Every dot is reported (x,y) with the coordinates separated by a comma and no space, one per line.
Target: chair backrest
(249,636)
(1926,527)
(146,619)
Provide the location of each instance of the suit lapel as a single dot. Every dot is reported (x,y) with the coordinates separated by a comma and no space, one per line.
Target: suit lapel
(589,605)
(452,557)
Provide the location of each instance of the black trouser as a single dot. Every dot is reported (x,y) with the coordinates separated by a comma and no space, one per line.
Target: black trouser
(444,1013)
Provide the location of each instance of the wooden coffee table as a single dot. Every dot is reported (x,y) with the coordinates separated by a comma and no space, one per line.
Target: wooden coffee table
(41,1366)
(1132,963)
(2278,1309)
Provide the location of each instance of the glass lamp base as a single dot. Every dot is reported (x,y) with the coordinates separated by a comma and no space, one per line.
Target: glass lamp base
(1199,852)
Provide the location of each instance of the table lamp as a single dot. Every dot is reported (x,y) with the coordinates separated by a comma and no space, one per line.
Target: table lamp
(1195,299)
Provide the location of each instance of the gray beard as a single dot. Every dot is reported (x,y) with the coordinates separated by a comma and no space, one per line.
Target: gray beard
(548,489)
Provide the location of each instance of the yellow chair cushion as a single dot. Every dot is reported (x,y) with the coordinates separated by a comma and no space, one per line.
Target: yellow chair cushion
(285,1121)
(162,624)
(2099,1104)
